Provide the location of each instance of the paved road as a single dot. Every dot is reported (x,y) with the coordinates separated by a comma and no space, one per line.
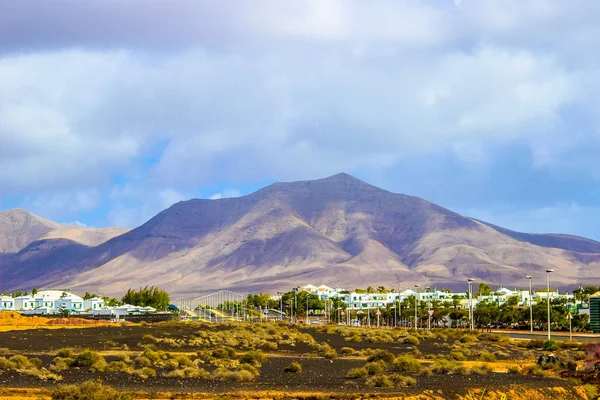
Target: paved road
(581,337)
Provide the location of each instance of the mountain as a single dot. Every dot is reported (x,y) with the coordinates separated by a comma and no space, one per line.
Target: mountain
(340,231)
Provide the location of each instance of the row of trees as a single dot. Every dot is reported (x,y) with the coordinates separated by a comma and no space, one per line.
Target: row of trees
(148,297)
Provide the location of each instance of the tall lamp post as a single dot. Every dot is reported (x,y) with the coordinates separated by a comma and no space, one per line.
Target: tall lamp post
(470,285)
(281,304)
(416,301)
(428,290)
(530,305)
(548,272)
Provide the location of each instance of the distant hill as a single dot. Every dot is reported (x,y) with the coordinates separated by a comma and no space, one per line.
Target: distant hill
(340,231)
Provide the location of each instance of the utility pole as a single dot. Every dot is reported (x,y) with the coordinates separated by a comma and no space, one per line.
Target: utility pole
(530,305)
(470,285)
(548,272)
(416,302)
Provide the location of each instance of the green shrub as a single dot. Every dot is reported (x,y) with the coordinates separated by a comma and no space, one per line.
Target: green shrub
(222,374)
(256,358)
(223,352)
(406,363)
(60,364)
(535,344)
(513,369)
(329,354)
(347,351)
(381,381)
(410,339)
(183,361)
(487,356)
(294,368)
(375,367)
(87,358)
(118,366)
(89,390)
(534,369)
(66,353)
(144,373)
(457,355)
(403,381)
(550,345)
(20,362)
(250,368)
(6,364)
(383,355)
(143,361)
(481,369)
(444,366)
(591,391)
(468,338)
(357,373)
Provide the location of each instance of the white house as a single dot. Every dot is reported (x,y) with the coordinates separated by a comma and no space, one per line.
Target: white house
(7,303)
(93,304)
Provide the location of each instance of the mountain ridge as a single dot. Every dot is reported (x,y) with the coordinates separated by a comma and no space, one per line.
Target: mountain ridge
(337,230)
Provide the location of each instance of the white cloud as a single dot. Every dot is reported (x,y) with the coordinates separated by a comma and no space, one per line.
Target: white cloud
(170,197)
(226,194)
(76,223)
(297,90)
(60,204)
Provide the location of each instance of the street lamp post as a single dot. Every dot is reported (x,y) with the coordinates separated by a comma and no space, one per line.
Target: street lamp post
(530,305)
(428,290)
(416,301)
(548,272)
(281,304)
(307,294)
(470,286)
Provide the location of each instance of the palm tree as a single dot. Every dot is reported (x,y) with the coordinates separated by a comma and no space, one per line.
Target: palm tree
(381,289)
(370,290)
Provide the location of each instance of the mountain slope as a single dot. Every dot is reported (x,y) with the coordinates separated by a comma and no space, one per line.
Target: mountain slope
(18,228)
(339,231)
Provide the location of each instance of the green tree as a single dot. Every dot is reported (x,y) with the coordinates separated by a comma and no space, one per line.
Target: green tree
(34,291)
(483,289)
(148,297)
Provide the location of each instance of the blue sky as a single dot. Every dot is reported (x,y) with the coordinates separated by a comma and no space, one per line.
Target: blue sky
(111,111)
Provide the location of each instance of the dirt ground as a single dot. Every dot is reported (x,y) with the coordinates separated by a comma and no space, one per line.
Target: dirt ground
(319,374)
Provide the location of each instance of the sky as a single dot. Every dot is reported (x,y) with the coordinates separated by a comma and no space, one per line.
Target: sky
(112,110)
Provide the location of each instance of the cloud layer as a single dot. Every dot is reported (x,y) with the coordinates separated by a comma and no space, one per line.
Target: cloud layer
(146,103)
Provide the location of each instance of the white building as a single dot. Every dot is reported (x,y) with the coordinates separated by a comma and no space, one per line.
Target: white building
(7,303)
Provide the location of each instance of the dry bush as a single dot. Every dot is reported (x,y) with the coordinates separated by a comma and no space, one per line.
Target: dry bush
(222,374)
(444,366)
(61,364)
(411,339)
(406,363)
(256,358)
(481,369)
(357,373)
(380,381)
(375,367)
(119,366)
(487,356)
(347,351)
(66,353)
(294,368)
(89,390)
(250,368)
(144,373)
(403,381)
(383,355)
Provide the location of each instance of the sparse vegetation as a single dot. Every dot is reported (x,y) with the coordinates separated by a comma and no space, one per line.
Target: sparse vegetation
(294,368)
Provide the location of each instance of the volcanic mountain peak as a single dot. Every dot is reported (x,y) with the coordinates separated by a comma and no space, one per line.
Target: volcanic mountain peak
(337,230)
